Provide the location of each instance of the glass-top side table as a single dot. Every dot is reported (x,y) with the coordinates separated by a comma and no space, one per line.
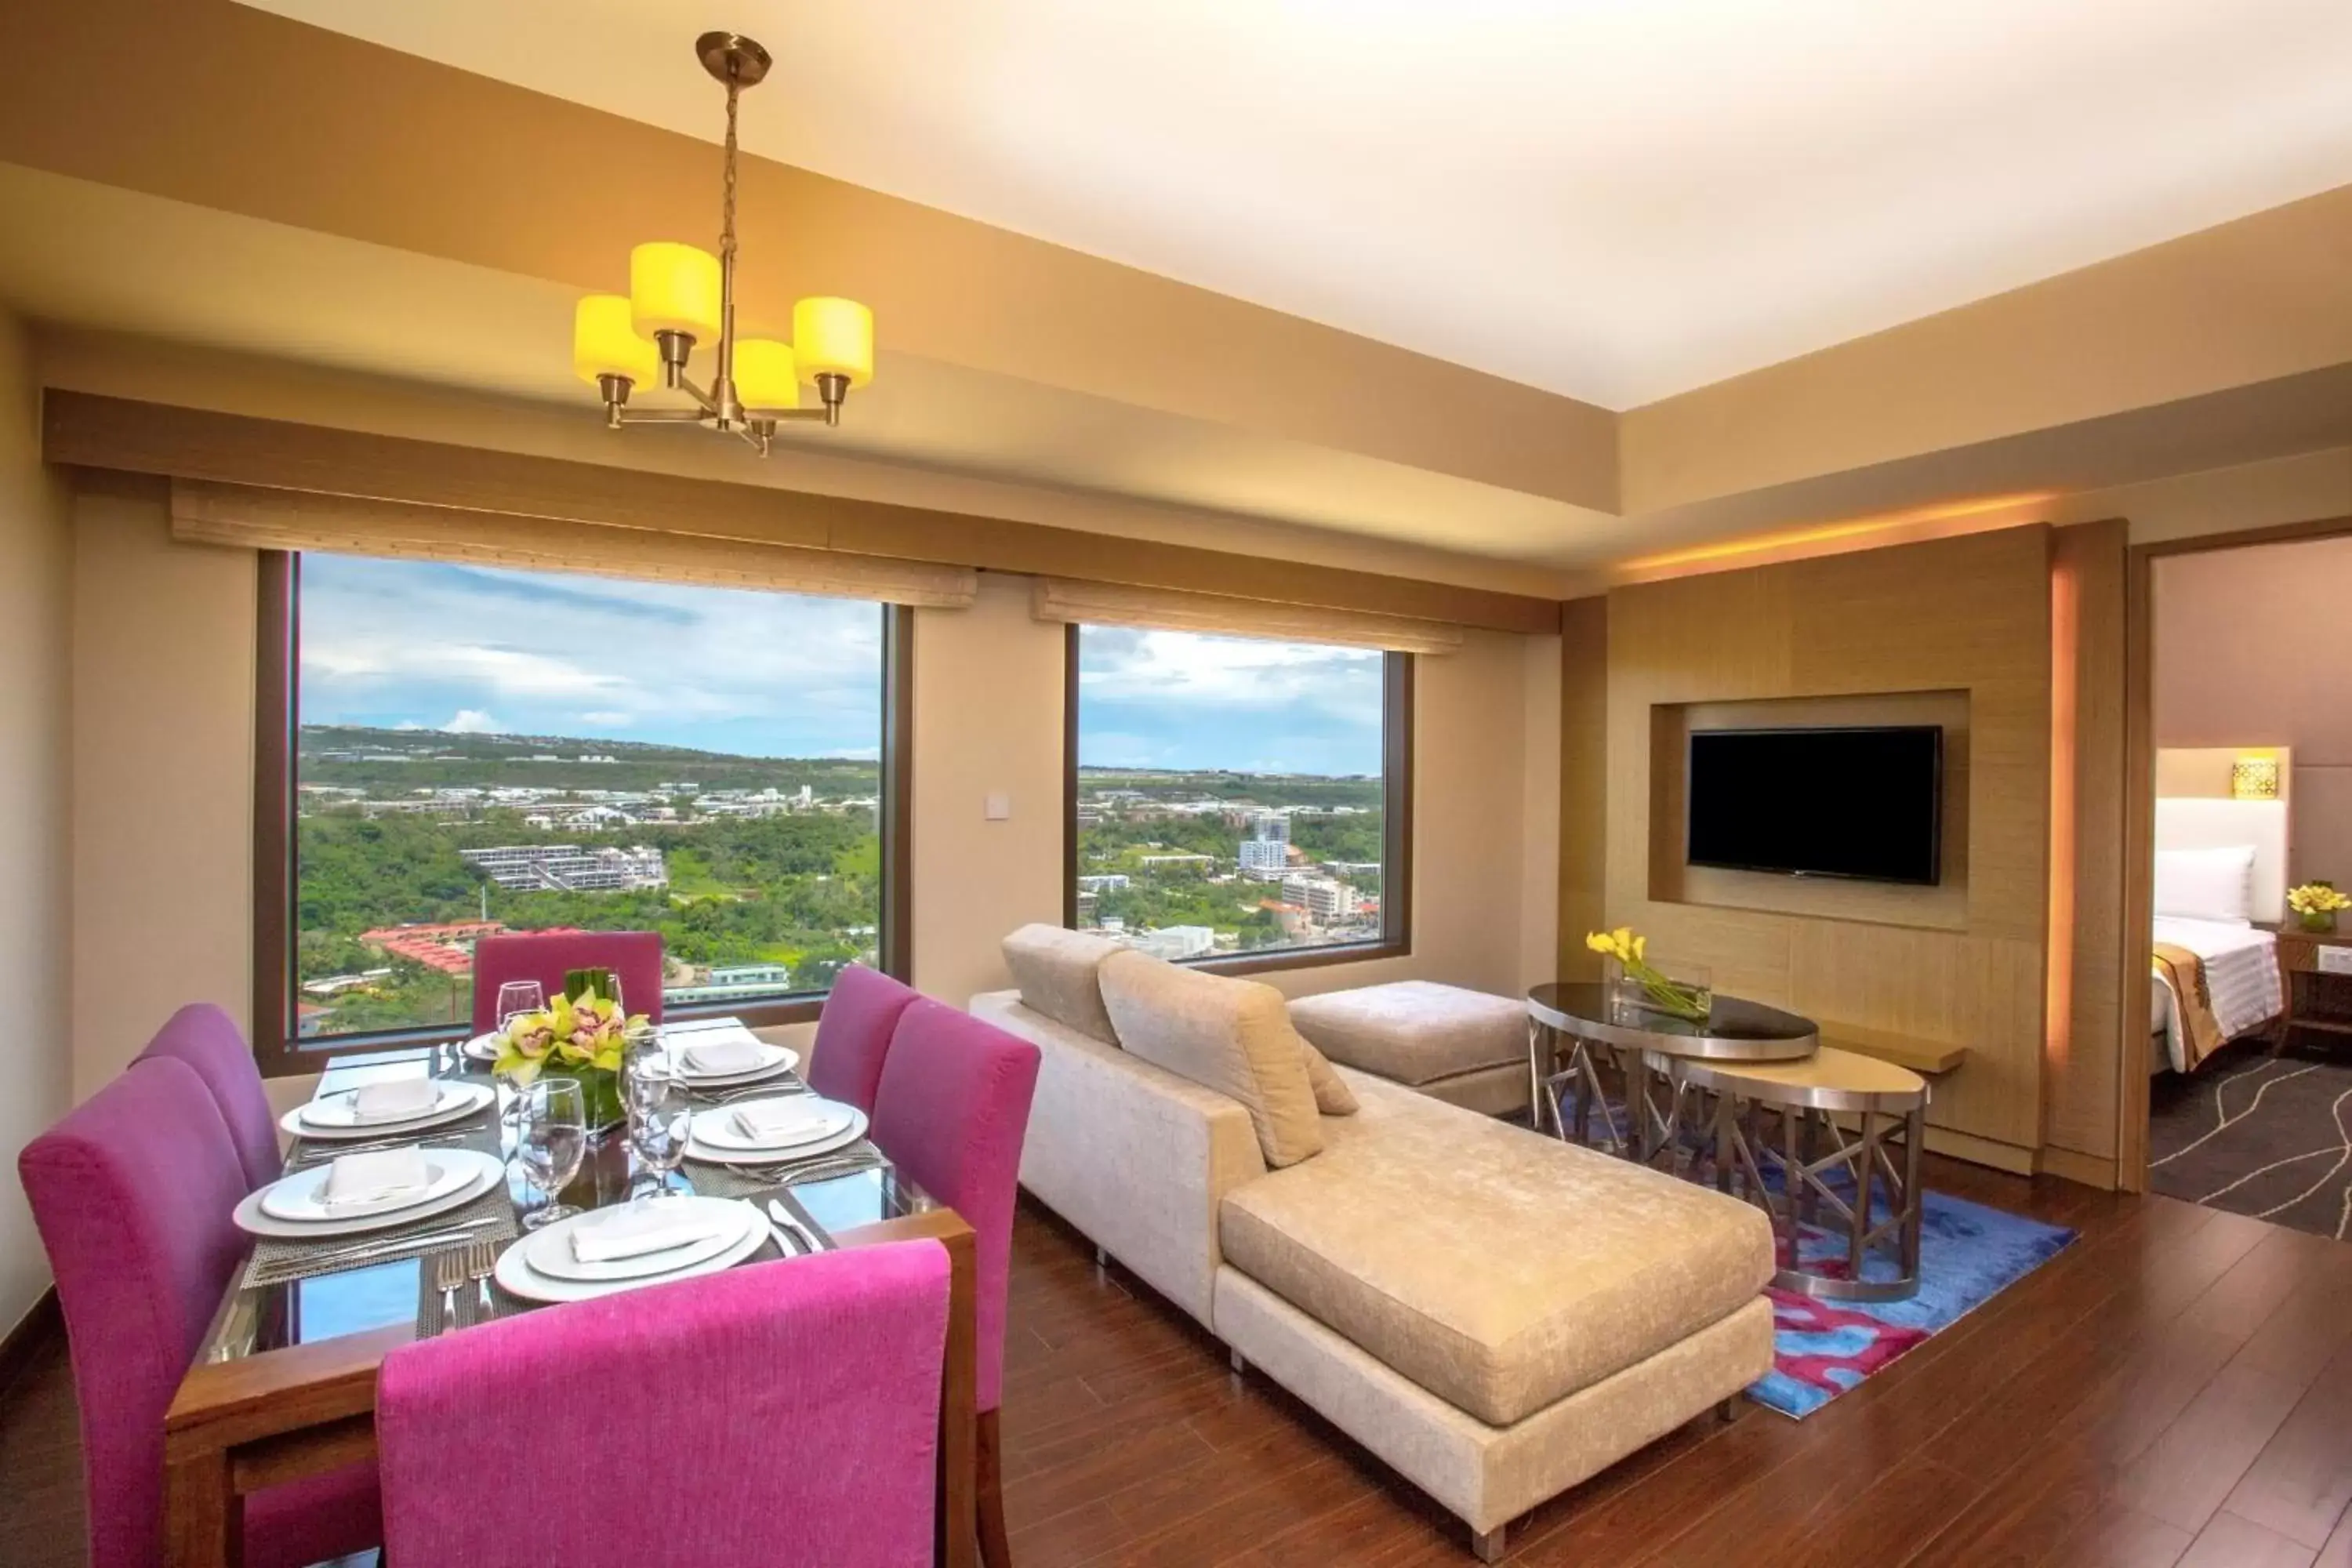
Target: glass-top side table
(1640,1047)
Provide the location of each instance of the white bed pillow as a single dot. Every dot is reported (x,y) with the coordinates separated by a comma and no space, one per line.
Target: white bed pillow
(2207,884)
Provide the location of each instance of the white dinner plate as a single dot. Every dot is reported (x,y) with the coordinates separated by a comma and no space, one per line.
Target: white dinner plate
(301,1197)
(826,1119)
(486,1171)
(716,1154)
(516,1274)
(482,1049)
(774,1059)
(458,1100)
(548,1251)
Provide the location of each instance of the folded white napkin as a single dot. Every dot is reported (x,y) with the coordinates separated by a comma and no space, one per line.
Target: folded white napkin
(728,1054)
(396,1100)
(637,1229)
(365,1178)
(778,1120)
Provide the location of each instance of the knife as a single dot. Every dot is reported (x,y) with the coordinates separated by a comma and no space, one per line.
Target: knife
(800,1232)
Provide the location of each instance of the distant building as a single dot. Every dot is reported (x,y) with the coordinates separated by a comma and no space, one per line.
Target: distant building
(1324,899)
(1266,853)
(1352,867)
(1160,862)
(1112,883)
(730,982)
(569,868)
(1174,942)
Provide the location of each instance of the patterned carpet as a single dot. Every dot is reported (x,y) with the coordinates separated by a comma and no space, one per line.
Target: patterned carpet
(2268,1138)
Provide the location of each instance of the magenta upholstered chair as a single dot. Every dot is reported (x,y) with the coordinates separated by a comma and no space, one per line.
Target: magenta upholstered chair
(952,1113)
(853,1034)
(208,1040)
(131,1191)
(635,957)
(786,1412)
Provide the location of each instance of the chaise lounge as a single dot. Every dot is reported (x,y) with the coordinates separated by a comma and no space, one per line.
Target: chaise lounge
(1494,1314)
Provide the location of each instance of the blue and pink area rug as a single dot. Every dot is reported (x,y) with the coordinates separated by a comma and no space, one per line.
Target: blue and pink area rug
(1968,1254)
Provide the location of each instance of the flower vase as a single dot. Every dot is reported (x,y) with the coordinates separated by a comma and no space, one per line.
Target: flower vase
(2318,922)
(599,1096)
(1683,992)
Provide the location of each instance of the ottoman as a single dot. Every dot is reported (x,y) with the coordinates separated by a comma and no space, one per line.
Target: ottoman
(1465,1048)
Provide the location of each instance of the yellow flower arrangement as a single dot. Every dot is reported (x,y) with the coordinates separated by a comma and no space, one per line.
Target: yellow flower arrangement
(1631,952)
(2316,899)
(572,1034)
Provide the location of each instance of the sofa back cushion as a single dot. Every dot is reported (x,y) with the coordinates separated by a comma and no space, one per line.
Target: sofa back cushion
(1231,1036)
(1055,972)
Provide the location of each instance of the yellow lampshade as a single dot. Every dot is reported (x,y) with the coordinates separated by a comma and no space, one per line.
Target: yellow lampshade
(673,289)
(764,374)
(602,342)
(2254,778)
(834,337)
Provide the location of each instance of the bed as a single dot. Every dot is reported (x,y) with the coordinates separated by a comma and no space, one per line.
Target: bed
(2221,865)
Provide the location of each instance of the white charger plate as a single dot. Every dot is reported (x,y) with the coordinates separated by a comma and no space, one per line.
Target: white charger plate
(548,1251)
(482,1049)
(774,1059)
(302,1196)
(517,1276)
(486,1171)
(716,1127)
(717,1155)
(458,1100)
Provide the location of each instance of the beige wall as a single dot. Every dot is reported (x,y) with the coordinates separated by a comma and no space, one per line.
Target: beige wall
(2244,657)
(34,814)
(164,646)
(164,643)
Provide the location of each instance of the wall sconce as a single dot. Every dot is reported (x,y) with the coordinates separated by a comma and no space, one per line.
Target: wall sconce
(2254,778)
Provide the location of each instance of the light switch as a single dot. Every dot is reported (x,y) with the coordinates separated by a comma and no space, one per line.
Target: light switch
(999,806)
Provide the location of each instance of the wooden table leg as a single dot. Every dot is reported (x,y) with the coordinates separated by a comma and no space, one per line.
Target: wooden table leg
(959,1518)
(204,1525)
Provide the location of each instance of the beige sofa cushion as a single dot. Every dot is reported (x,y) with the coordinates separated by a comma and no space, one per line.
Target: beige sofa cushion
(1231,1036)
(1054,970)
(1414,1031)
(1333,1095)
(1497,1268)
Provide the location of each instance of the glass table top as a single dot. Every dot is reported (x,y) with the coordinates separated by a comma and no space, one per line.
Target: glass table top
(386,1295)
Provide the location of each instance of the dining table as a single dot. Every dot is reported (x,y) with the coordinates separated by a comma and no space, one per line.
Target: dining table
(283,1385)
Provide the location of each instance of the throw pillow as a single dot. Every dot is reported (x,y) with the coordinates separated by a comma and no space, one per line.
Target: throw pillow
(1055,972)
(1231,1036)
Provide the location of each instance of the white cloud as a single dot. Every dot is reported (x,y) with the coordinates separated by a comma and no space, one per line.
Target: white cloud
(473,721)
(609,719)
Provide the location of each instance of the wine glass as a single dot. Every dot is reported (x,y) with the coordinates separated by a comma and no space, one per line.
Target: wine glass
(660,1117)
(516,997)
(553,1142)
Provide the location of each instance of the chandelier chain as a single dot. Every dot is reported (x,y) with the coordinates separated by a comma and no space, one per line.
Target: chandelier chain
(727,216)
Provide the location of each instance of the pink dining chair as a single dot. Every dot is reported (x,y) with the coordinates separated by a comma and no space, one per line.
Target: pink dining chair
(853,1034)
(208,1040)
(787,1412)
(952,1113)
(635,957)
(131,1192)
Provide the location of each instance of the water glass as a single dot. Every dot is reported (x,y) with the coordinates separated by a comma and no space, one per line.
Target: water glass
(660,1117)
(553,1141)
(518,996)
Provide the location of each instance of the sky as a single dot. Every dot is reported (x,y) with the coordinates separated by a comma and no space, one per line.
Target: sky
(433,646)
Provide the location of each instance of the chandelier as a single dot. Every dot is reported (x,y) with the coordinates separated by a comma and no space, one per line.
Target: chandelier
(681,296)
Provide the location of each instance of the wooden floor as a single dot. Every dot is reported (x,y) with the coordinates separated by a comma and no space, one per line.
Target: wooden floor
(2176,1389)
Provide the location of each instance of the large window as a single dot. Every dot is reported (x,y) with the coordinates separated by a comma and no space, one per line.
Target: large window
(1233,798)
(471,750)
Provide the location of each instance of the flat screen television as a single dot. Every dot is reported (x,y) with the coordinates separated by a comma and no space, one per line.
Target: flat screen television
(1863,804)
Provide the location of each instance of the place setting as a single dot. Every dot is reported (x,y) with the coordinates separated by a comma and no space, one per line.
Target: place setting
(383,1113)
(370,1207)
(715,1059)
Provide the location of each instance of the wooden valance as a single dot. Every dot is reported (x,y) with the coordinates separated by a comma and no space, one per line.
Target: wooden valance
(263,519)
(1168,609)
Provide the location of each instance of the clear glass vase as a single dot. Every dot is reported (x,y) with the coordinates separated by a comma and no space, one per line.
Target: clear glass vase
(1659,989)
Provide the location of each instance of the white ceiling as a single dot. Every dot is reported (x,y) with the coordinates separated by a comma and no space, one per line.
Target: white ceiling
(1613,199)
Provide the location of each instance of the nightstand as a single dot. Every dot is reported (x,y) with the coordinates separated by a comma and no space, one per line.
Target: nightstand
(2317,998)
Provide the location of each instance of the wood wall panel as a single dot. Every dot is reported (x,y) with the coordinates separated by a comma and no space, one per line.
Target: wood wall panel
(1583,781)
(1968,615)
(2087,1056)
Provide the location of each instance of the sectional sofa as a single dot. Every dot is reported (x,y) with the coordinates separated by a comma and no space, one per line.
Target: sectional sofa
(1492,1312)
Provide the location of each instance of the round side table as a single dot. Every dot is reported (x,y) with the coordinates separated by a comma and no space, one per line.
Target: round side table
(1640,1046)
(1879,1159)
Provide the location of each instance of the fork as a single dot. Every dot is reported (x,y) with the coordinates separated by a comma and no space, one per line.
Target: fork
(814,1170)
(448,1273)
(481,1262)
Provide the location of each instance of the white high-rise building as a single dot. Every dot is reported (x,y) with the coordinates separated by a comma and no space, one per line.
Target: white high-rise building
(1266,853)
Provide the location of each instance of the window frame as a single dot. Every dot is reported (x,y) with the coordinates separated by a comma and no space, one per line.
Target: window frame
(278,664)
(1395,940)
